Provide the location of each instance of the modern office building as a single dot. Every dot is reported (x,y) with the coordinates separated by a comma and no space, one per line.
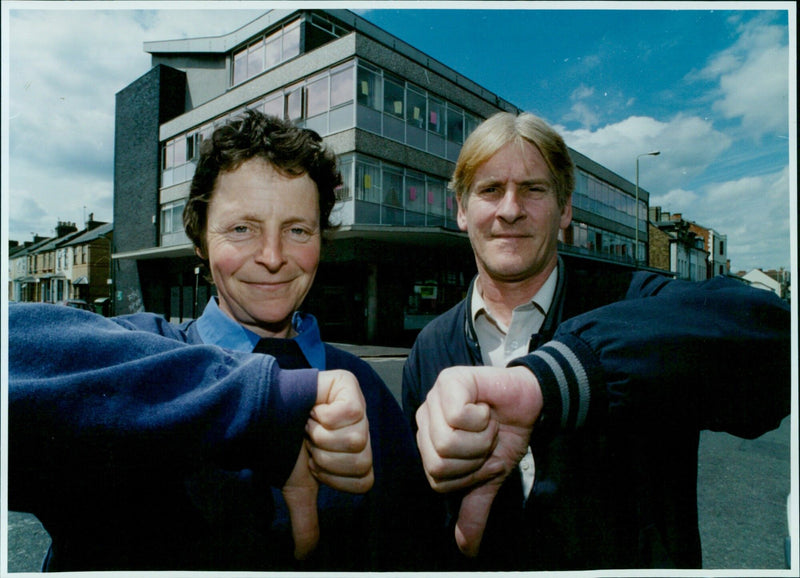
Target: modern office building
(395,117)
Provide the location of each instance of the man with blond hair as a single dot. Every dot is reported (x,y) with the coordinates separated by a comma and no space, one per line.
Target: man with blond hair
(560,419)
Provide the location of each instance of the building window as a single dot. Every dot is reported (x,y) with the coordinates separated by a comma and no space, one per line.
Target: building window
(322,23)
(317,97)
(291,41)
(589,239)
(415,199)
(368,87)
(417,108)
(436,116)
(266,52)
(272,48)
(342,85)
(255,58)
(172,217)
(436,126)
(178,158)
(386,194)
(344,192)
(393,101)
(294,103)
(435,197)
(602,199)
(392,211)
(455,131)
(455,124)
(240,67)
(368,182)
(274,106)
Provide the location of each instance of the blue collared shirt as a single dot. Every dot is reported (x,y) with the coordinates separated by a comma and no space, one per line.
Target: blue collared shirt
(216,328)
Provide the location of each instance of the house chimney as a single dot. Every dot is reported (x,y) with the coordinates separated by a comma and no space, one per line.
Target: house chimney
(64,228)
(92,224)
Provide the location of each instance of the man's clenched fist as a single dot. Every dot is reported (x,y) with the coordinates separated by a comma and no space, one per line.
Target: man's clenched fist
(474,428)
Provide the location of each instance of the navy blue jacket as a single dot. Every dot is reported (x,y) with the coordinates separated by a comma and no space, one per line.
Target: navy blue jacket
(627,388)
(139,449)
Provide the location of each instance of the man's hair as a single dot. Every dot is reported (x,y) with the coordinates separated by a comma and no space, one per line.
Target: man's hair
(505,127)
(290,150)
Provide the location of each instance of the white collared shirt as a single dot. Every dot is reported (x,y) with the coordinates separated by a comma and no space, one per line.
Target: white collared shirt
(500,344)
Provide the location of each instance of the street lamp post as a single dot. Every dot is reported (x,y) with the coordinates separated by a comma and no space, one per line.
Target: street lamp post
(636,210)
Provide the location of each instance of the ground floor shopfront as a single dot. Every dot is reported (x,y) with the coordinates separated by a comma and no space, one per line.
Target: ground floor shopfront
(373,286)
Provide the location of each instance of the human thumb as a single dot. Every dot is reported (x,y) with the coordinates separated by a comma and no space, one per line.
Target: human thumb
(473,515)
(300,493)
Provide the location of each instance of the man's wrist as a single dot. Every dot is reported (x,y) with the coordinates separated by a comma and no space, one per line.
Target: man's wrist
(532,390)
(570,381)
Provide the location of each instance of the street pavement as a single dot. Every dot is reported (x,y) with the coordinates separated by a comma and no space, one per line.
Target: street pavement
(742,493)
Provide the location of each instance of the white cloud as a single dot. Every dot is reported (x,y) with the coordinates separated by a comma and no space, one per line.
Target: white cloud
(581,112)
(752,211)
(752,77)
(688,145)
(674,201)
(65,66)
(582,92)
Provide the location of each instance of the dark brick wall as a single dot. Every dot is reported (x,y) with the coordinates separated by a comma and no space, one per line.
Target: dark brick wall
(141,108)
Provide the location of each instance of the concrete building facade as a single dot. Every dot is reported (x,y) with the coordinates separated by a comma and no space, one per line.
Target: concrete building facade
(396,119)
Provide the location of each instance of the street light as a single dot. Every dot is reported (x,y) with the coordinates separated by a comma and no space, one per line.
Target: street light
(636,210)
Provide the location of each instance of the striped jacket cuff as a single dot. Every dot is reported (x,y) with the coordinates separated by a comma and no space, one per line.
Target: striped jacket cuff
(571,380)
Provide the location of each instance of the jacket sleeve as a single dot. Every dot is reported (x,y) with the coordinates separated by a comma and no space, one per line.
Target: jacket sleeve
(412,392)
(714,355)
(95,397)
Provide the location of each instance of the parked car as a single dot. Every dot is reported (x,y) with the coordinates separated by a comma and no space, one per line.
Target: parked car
(76,303)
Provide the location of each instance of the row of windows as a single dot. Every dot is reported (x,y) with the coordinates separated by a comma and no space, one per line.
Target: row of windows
(690,266)
(383,194)
(386,194)
(79,256)
(326,103)
(266,52)
(59,259)
(179,151)
(600,198)
(599,241)
(401,111)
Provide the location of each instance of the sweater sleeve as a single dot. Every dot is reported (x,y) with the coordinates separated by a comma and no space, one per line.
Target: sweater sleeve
(711,355)
(90,395)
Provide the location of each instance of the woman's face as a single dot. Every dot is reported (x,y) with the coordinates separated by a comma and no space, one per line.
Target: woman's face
(263,240)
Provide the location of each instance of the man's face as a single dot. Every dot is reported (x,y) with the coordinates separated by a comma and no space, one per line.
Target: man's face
(512,216)
(264,243)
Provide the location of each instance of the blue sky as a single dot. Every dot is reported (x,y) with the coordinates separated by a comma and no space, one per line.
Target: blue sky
(707,85)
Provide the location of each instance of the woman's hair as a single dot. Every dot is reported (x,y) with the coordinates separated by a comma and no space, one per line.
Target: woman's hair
(504,127)
(291,150)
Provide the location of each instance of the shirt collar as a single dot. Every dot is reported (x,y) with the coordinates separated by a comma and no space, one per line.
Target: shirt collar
(542,300)
(216,328)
